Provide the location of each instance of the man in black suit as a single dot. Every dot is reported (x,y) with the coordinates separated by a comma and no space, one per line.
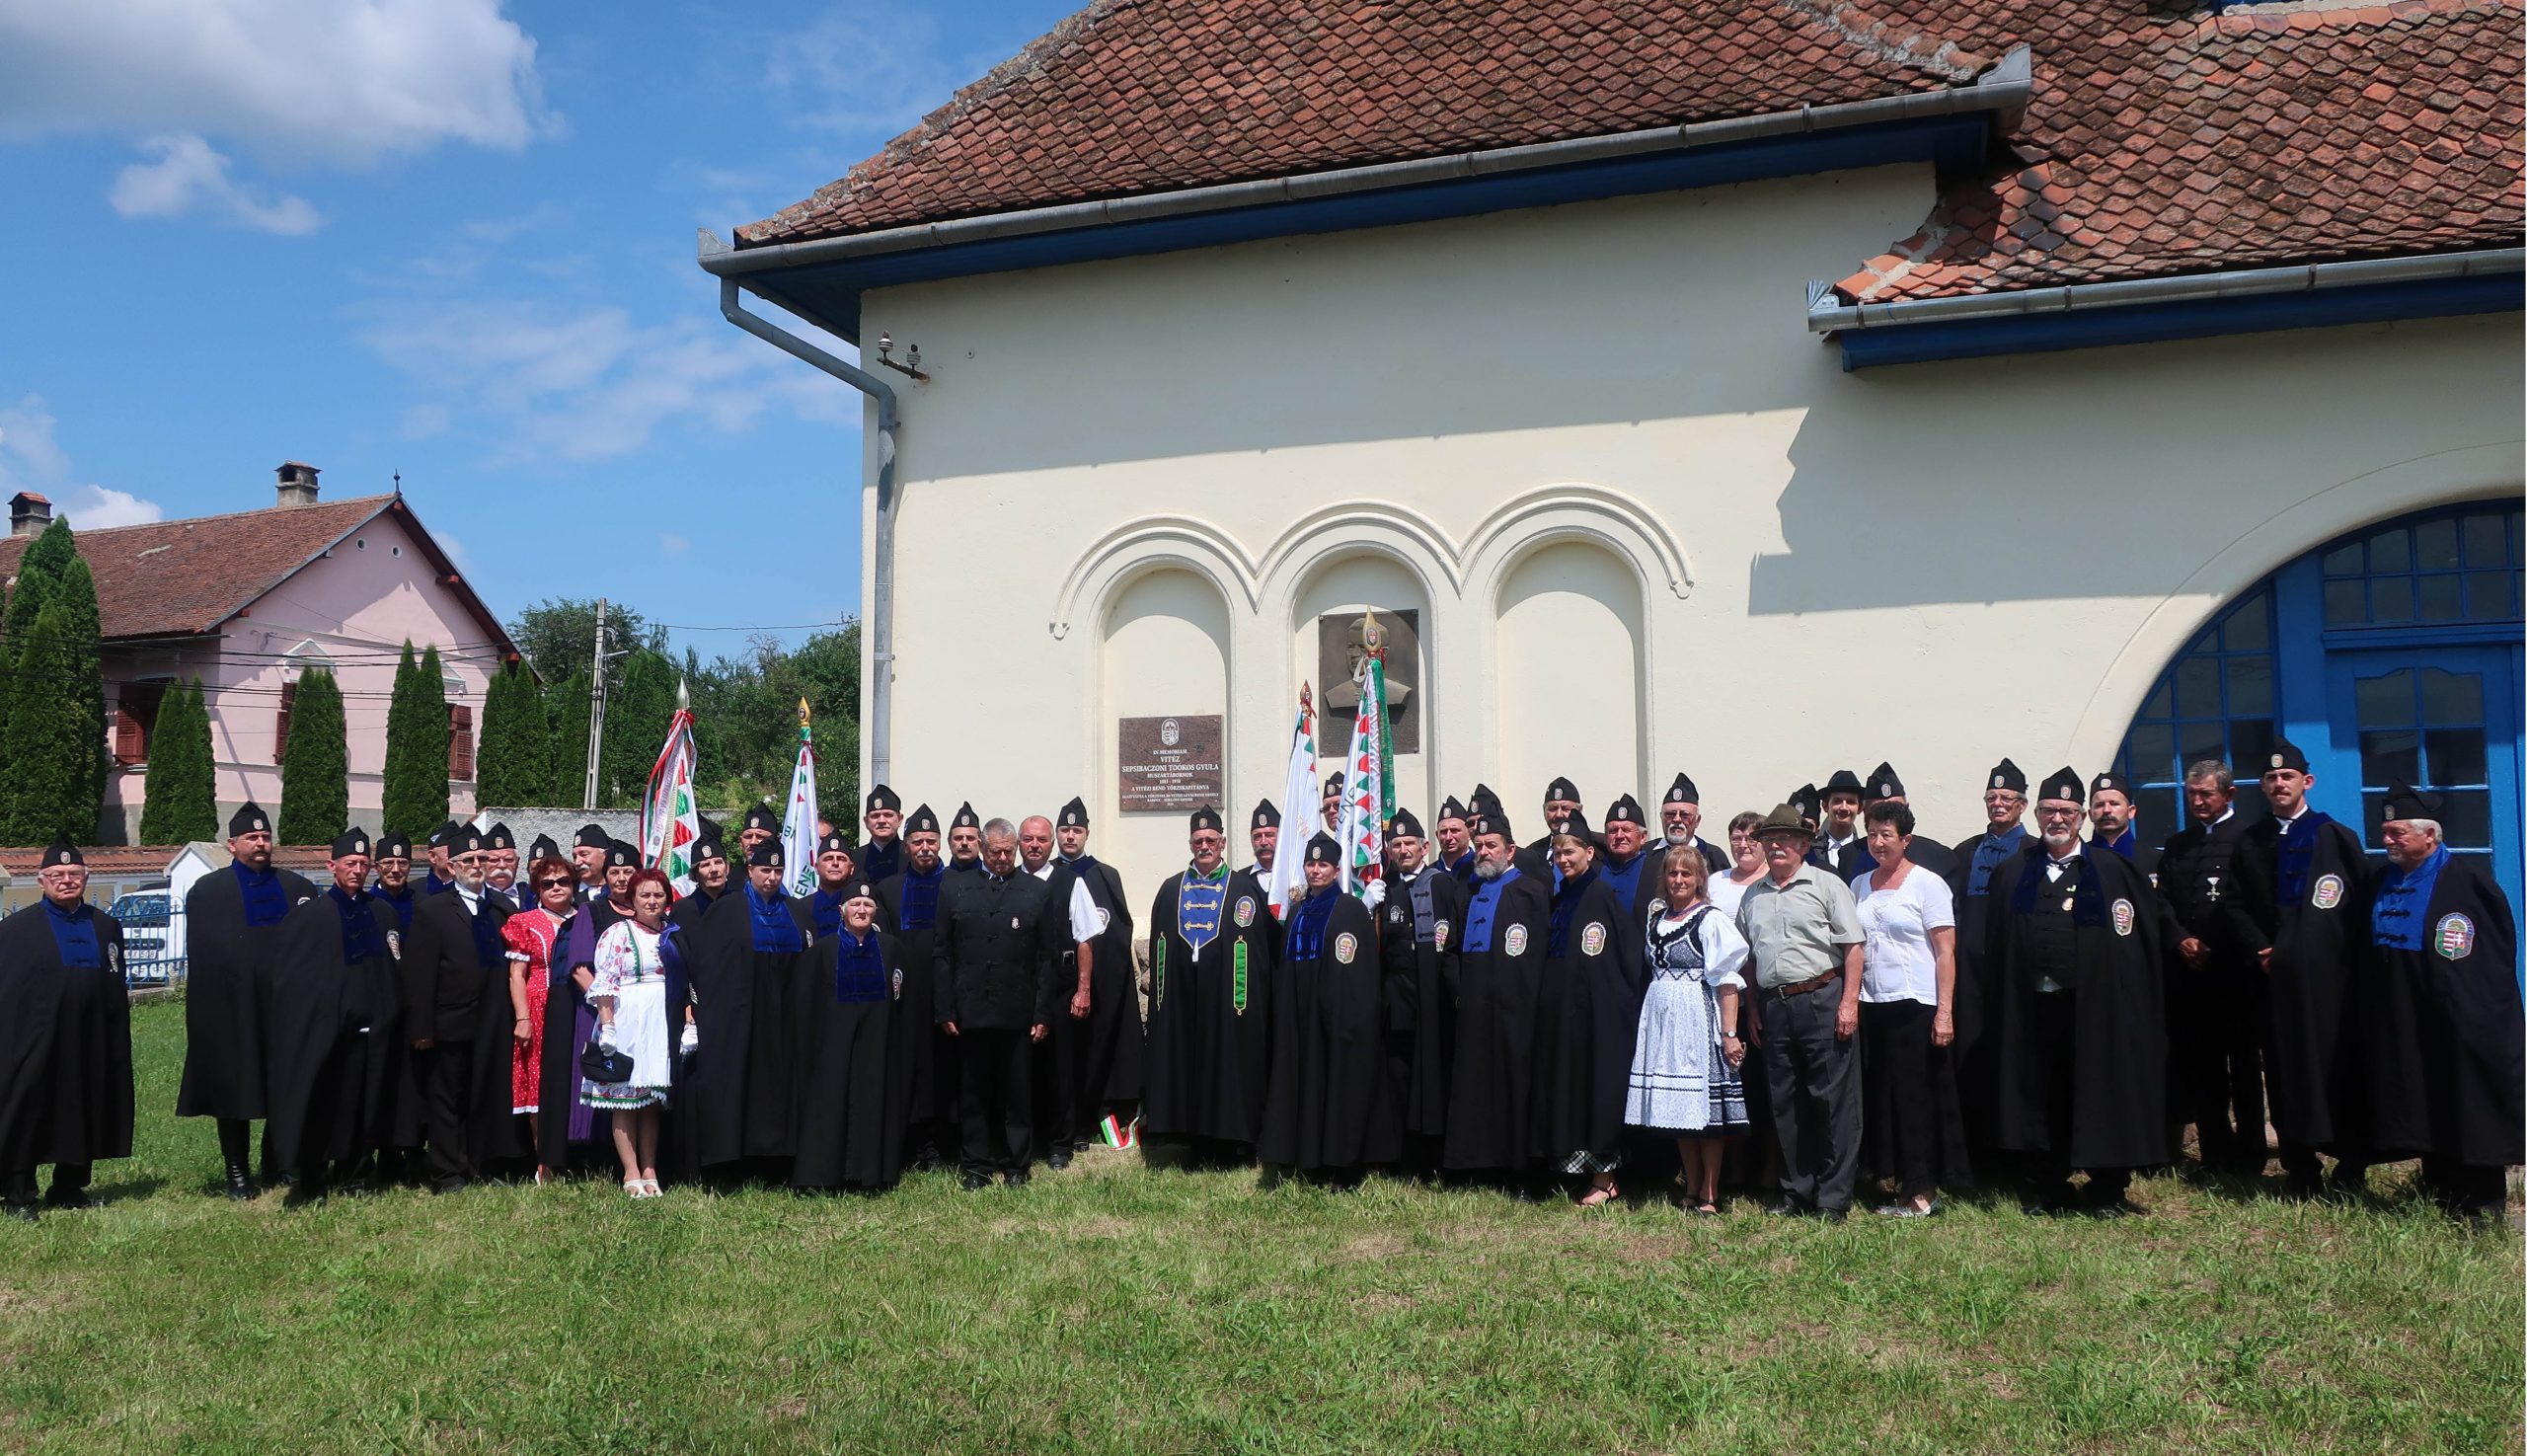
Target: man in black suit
(456,1006)
(2215,1002)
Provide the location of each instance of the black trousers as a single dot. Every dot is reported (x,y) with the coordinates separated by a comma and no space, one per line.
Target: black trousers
(447,1093)
(18,1185)
(2057,1027)
(1814,1086)
(1908,1100)
(1063,1110)
(2218,1045)
(996,1104)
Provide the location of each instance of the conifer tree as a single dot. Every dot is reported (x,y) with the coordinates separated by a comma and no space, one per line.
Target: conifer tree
(567,708)
(315,770)
(83,660)
(44,745)
(416,789)
(182,803)
(514,766)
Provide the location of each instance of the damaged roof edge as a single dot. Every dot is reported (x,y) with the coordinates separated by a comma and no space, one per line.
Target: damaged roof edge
(2002,91)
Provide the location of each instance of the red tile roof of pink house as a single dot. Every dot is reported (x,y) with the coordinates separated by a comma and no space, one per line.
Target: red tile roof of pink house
(187,578)
(2158,141)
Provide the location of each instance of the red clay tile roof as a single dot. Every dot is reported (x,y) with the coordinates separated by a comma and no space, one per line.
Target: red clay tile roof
(2180,142)
(182,578)
(1131,97)
(2162,139)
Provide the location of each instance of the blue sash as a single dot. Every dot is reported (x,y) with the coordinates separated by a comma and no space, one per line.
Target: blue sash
(1479,911)
(266,904)
(2402,906)
(74,935)
(920,910)
(1304,936)
(1566,909)
(1199,904)
(360,928)
(860,970)
(774,929)
(2299,851)
(1989,854)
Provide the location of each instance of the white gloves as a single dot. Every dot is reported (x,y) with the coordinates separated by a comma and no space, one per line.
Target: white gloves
(1375,895)
(691,1039)
(605,1036)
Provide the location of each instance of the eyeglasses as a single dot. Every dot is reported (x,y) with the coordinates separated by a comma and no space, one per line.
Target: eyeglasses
(551,883)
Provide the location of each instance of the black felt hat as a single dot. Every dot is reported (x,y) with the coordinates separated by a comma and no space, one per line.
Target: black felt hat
(1626,810)
(882,797)
(2006,775)
(351,841)
(1883,782)
(921,822)
(966,818)
(465,839)
(761,816)
(2110,780)
(833,844)
(2285,755)
(1324,848)
(1561,791)
(250,818)
(765,852)
(1074,816)
(1810,803)
(2064,784)
(544,848)
(1266,816)
(621,856)
(1682,791)
(709,847)
(1492,820)
(499,837)
(1205,818)
(60,852)
(392,846)
(2405,801)
(1844,781)
(1450,809)
(1403,825)
(591,836)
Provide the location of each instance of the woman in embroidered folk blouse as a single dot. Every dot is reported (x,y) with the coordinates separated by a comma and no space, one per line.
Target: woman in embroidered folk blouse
(1685,1081)
(530,939)
(630,994)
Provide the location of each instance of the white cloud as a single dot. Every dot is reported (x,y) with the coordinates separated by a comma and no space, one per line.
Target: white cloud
(187,173)
(673,544)
(339,80)
(591,384)
(31,459)
(860,68)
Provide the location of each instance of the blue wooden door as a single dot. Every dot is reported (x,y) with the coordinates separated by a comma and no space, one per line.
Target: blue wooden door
(2443,718)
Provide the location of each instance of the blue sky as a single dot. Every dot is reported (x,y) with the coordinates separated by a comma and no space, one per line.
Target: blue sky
(455,239)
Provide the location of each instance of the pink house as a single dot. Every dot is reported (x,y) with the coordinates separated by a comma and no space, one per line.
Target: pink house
(246,601)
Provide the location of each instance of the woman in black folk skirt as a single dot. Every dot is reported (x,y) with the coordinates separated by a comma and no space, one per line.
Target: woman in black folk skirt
(1911,1128)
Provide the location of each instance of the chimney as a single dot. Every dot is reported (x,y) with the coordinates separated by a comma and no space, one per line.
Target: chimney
(297,484)
(29,514)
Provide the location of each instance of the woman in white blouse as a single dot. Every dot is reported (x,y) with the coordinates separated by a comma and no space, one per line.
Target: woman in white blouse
(1910,1127)
(630,994)
(1745,864)
(1684,1079)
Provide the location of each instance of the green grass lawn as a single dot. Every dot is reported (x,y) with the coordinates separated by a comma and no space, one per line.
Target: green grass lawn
(1113,1308)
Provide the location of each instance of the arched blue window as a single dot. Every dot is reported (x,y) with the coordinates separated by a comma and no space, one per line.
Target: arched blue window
(2391,654)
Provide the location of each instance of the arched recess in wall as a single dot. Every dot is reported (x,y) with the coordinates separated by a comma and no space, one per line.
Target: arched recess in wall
(1330,596)
(1165,654)
(1569,645)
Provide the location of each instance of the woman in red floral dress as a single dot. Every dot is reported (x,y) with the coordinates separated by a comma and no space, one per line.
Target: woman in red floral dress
(532,937)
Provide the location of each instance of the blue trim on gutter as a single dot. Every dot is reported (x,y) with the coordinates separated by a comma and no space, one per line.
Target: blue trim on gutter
(2152,323)
(828,294)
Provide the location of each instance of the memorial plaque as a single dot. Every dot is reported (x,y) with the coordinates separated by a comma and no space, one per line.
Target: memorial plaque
(1170,763)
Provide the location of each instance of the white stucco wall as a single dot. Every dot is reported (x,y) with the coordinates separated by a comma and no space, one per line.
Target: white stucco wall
(1509,419)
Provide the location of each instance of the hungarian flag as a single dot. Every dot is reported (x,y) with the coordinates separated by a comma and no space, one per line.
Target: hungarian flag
(669,822)
(1368,778)
(798,822)
(1300,814)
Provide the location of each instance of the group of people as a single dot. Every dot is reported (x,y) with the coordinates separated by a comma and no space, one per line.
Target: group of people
(1829,1002)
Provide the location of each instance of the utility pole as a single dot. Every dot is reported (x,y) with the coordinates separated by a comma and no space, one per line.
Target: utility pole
(596,711)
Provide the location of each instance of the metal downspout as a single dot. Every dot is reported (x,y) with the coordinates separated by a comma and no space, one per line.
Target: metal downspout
(882,596)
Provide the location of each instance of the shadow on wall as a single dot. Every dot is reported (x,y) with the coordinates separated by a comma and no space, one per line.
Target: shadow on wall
(2113,472)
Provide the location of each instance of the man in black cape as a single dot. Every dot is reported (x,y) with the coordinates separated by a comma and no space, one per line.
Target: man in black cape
(1212,943)
(232,930)
(1263,840)
(760,825)
(456,1018)
(1625,860)
(746,978)
(1418,917)
(1680,822)
(2216,994)
(998,955)
(1330,1105)
(908,910)
(2074,957)
(964,841)
(710,883)
(1500,967)
(2307,888)
(335,1035)
(1110,1038)
(1452,841)
(2113,811)
(500,874)
(880,856)
(1586,1017)
(2444,1017)
(391,857)
(441,850)
(65,1040)
(1885,786)
(588,851)
(1842,844)
(819,910)
(850,1131)
(1063,1115)
(1561,802)
(1978,858)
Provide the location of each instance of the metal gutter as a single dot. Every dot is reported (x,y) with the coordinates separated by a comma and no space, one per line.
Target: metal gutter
(882,593)
(1825,315)
(2003,90)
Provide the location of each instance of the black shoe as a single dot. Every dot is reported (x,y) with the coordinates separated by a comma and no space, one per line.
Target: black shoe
(1833,1215)
(446,1186)
(1058,1159)
(973,1183)
(1787,1208)
(304,1194)
(23,1213)
(241,1189)
(1017,1179)
(2117,1206)
(67,1199)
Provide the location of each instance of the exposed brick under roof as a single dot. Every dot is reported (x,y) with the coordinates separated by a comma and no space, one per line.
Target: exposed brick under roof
(2160,140)
(1145,96)
(185,577)
(2182,142)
